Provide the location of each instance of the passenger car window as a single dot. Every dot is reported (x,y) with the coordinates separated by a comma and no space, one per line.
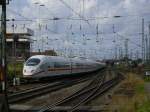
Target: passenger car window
(58,65)
(62,64)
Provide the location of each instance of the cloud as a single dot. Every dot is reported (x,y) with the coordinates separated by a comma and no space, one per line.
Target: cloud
(72,31)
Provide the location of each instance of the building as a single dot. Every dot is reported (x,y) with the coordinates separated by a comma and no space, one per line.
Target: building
(18,44)
(47,52)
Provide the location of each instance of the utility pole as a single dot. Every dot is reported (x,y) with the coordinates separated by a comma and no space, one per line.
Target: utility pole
(3,46)
(126,48)
(149,43)
(97,34)
(143,47)
(121,53)
(137,54)
(3,66)
(149,48)
(131,54)
(14,48)
(116,52)
(146,48)
(83,7)
(115,46)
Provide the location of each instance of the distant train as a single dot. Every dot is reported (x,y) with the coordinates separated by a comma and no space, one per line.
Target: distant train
(40,66)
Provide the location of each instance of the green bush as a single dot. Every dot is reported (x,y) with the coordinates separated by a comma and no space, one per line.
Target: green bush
(11,73)
(145,107)
(147,79)
(140,88)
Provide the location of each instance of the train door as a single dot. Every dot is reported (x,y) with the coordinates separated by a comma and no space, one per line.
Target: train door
(46,68)
(50,69)
(71,66)
(43,67)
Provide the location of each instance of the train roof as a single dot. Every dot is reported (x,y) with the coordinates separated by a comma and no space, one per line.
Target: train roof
(43,57)
(38,56)
(60,58)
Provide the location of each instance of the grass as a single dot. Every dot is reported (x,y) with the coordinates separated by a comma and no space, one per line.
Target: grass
(147,79)
(122,67)
(140,88)
(145,107)
(19,67)
(132,96)
(147,66)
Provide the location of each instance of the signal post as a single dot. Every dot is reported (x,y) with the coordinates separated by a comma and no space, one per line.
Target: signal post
(3,65)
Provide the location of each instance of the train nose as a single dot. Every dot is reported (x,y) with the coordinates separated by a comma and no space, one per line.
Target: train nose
(24,71)
(31,71)
(28,71)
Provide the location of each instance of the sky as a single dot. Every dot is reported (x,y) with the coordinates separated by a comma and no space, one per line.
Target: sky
(89,28)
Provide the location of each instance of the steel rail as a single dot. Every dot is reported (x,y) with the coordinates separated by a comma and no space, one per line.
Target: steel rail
(86,94)
(99,91)
(26,95)
(87,89)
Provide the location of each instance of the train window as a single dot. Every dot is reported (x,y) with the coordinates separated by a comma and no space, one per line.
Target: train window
(66,64)
(79,64)
(61,64)
(58,65)
(33,62)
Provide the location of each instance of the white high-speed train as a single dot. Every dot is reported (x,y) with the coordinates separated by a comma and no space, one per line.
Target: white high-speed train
(40,66)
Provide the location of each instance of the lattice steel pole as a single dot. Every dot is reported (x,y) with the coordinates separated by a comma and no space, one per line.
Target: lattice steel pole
(3,34)
(143,46)
(4,107)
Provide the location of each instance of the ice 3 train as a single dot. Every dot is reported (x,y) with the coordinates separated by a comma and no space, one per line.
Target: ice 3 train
(40,66)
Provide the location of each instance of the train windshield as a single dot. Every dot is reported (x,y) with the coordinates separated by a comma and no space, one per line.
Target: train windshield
(33,62)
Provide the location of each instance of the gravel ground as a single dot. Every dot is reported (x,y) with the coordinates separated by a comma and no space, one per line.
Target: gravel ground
(147,87)
(55,96)
(24,87)
(128,95)
(105,99)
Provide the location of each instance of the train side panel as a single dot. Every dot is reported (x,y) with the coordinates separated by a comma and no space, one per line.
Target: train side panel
(56,66)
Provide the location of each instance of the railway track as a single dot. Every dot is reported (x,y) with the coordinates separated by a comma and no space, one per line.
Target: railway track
(24,87)
(96,87)
(43,89)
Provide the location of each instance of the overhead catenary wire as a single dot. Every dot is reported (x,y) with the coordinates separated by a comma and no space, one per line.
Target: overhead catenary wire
(71,18)
(83,18)
(27,19)
(129,40)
